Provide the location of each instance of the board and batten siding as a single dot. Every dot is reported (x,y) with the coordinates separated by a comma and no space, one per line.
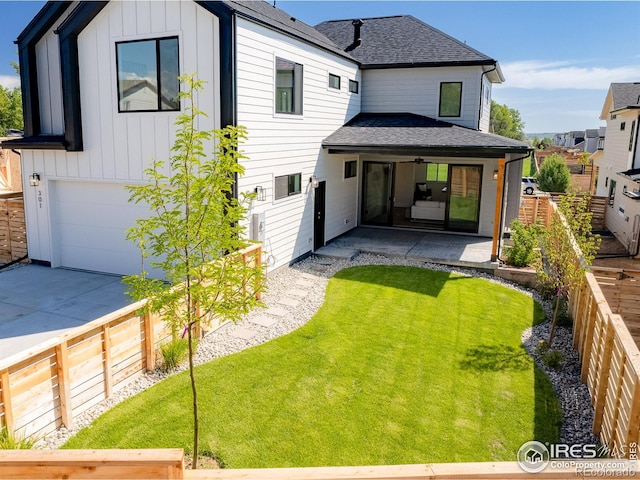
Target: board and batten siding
(118,146)
(417,91)
(282,144)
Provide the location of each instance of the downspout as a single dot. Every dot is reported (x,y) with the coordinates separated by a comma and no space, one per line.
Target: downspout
(495,256)
(482,93)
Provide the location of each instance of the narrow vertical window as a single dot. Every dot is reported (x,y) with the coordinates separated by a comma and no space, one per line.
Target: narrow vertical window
(334,81)
(450,99)
(354,87)
(288,87)
(147,72)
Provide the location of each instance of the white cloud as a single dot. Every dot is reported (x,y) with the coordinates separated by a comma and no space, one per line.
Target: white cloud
(9,81)
(534,74)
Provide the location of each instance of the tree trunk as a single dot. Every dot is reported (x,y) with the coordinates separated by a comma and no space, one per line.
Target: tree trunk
(194,464)
(554,320)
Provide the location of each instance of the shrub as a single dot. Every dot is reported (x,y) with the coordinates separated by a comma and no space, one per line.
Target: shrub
(174,353)
(525,239)
(10,441)
(553,359)
(554,175)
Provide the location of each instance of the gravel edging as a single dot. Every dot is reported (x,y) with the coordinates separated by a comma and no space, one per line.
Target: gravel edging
(314,273)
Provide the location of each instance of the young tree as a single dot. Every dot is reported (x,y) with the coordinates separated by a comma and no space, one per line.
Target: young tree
(567,236)
(194,228)
(10,109)
(554,175)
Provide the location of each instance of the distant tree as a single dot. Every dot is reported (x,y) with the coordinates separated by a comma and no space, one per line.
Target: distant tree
(10,109)
(554,175)
(506,121)
(547,141)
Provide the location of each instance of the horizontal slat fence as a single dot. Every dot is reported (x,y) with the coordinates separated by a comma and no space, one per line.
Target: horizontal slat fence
(621,288)
(538,210)
(49,385)
(169,464)
(13,230)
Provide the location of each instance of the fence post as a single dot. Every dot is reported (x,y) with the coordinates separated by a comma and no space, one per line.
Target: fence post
(631,433)
(6,401)
(64,390)
(108,362)
(149,341)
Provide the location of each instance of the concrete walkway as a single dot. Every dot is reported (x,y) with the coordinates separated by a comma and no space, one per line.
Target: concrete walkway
(442,248)
(38,303)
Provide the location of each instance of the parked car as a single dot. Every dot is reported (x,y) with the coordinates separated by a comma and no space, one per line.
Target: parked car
(528,185)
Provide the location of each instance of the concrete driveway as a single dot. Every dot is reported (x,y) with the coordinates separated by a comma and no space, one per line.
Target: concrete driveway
(38,303)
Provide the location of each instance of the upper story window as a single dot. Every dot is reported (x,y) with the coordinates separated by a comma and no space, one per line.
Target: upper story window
(450,99)
(631,135)
(334,81)
(623,125)
(288,87)
(350,169)
(148,73)
(354,86)
(612,192)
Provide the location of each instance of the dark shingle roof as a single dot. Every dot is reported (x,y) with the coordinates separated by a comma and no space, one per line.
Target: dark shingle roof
(401,40)
(407,132)
(266,13)
(625,95)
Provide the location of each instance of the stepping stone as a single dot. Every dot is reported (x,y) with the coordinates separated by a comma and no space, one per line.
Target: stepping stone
(308,275)
(289,302)
(243,333)
(276,311)
(264,321)
(303,283)
(298,293)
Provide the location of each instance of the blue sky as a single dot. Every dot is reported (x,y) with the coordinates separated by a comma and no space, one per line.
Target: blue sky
(558,57)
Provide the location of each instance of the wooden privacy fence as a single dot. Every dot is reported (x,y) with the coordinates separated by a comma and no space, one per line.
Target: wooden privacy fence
(621,288)
(610,362)
(538,210)
(49,385)
(169,464)
(13,230)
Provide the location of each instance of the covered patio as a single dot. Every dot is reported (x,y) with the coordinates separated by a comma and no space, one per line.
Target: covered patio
(434,247)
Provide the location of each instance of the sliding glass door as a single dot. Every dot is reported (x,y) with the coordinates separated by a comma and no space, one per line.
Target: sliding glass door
(464,198)
(376,193)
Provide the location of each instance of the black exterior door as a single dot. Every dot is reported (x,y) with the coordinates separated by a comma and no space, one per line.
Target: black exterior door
(319,201)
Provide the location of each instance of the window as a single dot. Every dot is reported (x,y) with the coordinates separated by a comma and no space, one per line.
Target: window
(450,99)
(288,87)
(334,81)
(612,191)
(353,86)
(287,185)
(350,169)
(633,130)
(148,73)
(437,172)
(623,125)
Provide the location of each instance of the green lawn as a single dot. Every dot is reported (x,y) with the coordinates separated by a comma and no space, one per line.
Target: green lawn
(400,365)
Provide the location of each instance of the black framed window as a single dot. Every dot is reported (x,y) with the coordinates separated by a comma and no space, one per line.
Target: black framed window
(631,135)
(288,87)
(148,73)
(287,185)
(350,169)
(612,192)
(450,99)
(354,86)
(334,81)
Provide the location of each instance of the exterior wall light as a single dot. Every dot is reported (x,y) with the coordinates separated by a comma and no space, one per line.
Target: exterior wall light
(34,179)
(261,193)
(495,175)
(314,181)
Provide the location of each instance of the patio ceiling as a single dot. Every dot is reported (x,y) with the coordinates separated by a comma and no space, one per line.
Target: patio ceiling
(410,134)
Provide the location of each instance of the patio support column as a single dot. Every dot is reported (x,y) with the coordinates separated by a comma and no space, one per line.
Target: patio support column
(497,218)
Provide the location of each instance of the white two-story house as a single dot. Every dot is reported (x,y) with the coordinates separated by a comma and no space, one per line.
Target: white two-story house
(380,121)
(619,163)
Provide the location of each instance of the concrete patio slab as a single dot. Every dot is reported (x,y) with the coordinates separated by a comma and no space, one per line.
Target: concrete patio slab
(444,248)
(38,303)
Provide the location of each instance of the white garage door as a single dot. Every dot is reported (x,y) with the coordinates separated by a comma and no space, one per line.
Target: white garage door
(89,225)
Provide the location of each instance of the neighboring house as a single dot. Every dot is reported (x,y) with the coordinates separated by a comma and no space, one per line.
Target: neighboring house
(619,164)
(380,121)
